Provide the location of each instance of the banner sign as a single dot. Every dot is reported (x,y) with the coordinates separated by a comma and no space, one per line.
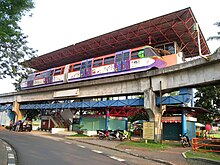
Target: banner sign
(148,130)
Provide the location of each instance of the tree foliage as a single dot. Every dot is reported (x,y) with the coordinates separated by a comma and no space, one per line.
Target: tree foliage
(208,98)
(13,42)
(215,37)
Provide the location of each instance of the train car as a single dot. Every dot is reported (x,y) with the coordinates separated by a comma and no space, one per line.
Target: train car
(122,62)
(48,77)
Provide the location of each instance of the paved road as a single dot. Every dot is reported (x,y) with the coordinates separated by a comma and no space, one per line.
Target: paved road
(37,150)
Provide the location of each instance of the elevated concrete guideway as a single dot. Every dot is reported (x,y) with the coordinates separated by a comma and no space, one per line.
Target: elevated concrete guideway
(195,73)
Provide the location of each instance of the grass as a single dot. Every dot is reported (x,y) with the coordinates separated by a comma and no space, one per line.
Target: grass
(158,146)
(206,155)
(216,135)
(79,135)
(153,146)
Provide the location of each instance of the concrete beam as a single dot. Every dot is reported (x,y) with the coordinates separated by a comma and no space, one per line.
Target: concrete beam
(190,74)
(199,72)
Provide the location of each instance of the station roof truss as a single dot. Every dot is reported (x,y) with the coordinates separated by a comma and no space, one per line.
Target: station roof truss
(177,26)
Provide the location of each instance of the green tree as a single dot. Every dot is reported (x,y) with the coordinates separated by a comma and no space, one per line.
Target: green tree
(208,98)
(13,42)
(215,37)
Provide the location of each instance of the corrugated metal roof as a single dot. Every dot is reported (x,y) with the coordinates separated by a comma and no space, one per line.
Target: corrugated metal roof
(176,26)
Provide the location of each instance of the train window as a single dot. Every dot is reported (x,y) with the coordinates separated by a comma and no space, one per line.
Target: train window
(137,54)
(89,64)
(30,77)
(126,56)
(83,65)
(70,68)
(44,74)
(76,67)
(141,54)
(149,52)
(97,63)
(118,57)
(62,70)
(59,71)
(134,55)
(109,60)
(38,75)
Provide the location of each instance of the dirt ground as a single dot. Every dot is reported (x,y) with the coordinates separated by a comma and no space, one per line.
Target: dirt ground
(2,128)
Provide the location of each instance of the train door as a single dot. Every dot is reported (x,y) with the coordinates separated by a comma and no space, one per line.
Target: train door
(86,68)
(49,76)
(30,80)
(122,60)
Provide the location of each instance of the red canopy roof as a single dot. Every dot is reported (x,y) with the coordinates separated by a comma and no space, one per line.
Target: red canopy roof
(176,26)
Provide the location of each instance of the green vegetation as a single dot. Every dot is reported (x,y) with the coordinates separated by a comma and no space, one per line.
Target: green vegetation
(208,98)
(79,135)
(216,135)
(13,42)
(154,146)
(206,155)
(158,146)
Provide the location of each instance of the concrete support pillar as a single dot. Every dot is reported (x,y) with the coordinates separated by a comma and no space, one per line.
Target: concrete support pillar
(184,124)
(154,113)
(16,109)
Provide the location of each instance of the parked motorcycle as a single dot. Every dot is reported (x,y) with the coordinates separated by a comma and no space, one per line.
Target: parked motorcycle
(102,134)
(114,134)
(27,125)
(184,140)
(124,135)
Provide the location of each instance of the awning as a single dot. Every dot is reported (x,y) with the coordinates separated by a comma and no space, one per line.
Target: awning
(200,125)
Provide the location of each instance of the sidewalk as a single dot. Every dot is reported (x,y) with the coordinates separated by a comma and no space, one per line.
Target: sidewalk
(171,156)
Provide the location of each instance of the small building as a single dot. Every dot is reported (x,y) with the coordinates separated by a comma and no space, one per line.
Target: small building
(180,120)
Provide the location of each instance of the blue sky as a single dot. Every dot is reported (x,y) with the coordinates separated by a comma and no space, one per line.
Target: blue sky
(56,24)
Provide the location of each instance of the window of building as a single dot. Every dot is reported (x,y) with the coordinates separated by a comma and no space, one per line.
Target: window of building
(170,48)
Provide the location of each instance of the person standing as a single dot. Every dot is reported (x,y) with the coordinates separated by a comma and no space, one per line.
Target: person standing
(11,125)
